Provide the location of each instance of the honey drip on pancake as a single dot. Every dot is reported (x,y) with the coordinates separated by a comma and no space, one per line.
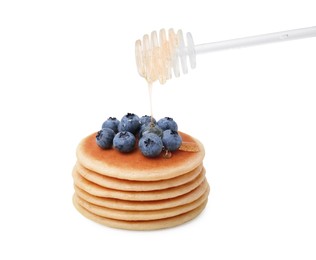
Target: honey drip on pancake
(150,92)
(154,62)
(154,58)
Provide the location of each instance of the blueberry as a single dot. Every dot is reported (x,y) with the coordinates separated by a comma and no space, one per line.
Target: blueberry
(124,142)
(150,128)
(150,145)
(129,122)
(104,138)
(144,120)
(112,123)
(167,123)
(171,140)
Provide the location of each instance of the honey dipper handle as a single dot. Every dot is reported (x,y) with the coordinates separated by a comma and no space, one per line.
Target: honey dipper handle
(256,40)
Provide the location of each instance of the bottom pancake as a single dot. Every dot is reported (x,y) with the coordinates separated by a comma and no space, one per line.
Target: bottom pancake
(142,225)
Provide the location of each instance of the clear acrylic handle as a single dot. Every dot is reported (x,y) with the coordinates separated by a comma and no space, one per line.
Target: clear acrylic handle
(256,40)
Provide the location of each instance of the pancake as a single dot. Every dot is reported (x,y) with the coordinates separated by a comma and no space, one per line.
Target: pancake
(128,185)
(134,166)
(142,225)
(131,191)
(144,205)
(100,191)
(140,215)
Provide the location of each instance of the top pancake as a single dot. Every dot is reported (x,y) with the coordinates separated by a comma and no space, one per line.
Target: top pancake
(134,165)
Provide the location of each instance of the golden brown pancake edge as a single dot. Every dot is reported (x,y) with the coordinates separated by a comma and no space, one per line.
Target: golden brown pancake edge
(134,165)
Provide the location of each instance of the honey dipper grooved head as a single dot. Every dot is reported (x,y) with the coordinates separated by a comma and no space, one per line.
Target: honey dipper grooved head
(157,57)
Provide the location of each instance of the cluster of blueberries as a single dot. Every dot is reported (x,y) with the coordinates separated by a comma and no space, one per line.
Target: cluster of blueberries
(153,136)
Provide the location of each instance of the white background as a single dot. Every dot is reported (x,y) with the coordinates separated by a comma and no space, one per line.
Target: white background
(65,66)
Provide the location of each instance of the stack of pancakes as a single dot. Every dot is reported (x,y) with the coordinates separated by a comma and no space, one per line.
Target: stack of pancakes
(130,191)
